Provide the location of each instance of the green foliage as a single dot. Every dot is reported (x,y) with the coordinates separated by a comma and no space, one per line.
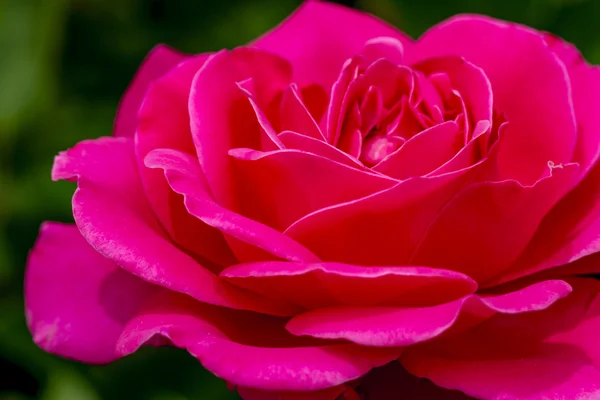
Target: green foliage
(63,67)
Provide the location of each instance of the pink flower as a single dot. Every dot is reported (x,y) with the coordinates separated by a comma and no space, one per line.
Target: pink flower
(338,210)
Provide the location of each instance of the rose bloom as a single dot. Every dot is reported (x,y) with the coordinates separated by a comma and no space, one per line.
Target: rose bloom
(338,211)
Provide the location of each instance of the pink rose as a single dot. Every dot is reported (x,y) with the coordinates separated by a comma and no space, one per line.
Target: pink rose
(336,209)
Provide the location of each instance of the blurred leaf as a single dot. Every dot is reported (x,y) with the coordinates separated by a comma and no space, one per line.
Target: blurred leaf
(30,34)
(64,384)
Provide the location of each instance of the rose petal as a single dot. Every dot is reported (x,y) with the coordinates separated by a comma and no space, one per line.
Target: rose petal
(342,284)
(470,81)
(248,349)
(283,186)
(389,48)
(294,115)
(570,230)
(380,229)
(268,136)
(77,302)
(548,354)
(423,153)
(307,144)
(113,215)
(402,326)
(185,177)
(164,123)
(566,51)
(529,83)
(585,81)
(159,61)
(483,230)
(316,47)
(221,116)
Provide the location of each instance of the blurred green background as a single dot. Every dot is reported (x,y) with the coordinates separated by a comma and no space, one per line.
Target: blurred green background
(63,67)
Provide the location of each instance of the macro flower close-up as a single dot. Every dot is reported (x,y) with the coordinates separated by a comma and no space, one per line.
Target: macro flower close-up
(336,210)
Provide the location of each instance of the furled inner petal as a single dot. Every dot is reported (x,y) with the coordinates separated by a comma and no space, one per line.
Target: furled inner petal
(295,116)
(281,187)
(530,85)
(377,106)
(221,115)
(423,152)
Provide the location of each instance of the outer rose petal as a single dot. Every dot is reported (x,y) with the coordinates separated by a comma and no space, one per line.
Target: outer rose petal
(551,354)
(113,215)
(571,229)
(77,301)
(160,60)
(316,47)
(529,83)
(185,177)
(585,80)
(249,349)
(342,284)
(483,230)
(403,326)
(164,122)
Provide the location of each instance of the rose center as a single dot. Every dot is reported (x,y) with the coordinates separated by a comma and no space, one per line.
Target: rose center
(376,147)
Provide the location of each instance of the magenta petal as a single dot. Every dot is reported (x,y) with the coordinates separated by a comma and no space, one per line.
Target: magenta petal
(283,186)
(159,61)
(249,349)
(221,116)
(470,82)
(113,215)
(552,353)
(570,231)
(380,229)
(317,147)
(77,301)
(403,326)
(316,47)
(529,83)
(388,48)
(164,123)
(585,82)
(294,116)
(342,284)
(185,177)
(423,153)
(488,225)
